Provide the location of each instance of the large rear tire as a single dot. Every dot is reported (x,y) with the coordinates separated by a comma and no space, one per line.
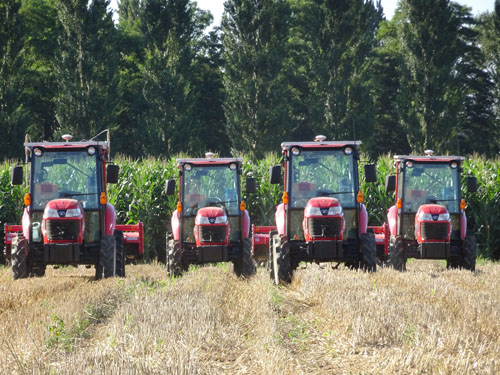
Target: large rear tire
(280,264)
(19,257)
(174,257)
(368,252)
(108,255)
(397,254)
(469,253)
(245,265)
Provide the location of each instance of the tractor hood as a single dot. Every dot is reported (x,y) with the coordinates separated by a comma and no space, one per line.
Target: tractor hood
(63,204)
(211,215)
(433,211)
(323,206)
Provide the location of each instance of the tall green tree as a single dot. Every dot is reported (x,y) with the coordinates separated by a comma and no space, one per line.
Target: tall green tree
(257,109)
(42,27)
(12,112)
(445,91)
(86,67)
(339,40)
(171,31)
(489,39)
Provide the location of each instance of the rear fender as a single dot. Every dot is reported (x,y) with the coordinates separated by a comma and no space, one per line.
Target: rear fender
(363,219)
(109,220)
(175,223)
(463,225)
(245,224)
(26,223)
(392,219)
(280,219)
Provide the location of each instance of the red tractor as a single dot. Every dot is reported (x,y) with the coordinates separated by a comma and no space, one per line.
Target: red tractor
(211,223)
(428,219)
(67,219)
(322,217)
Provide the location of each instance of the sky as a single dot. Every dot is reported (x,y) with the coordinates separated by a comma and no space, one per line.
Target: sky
(216,7)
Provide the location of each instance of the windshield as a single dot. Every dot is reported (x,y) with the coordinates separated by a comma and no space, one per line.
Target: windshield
(322,173)
(208,186)
(431,183)
(65,175)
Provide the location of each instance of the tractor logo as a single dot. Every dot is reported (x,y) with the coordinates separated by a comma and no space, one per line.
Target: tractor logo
(435,217)
(62,213)
(324,211)
(211,220)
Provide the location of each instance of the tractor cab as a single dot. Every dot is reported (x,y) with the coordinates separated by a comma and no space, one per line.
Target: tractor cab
(211,223)
(428,219)
(67,218)
(322,216)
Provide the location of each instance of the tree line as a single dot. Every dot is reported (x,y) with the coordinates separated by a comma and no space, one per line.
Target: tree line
(274,70)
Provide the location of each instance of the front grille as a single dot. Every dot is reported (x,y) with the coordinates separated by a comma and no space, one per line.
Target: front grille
(434,231)
(212,233)
(324,227)
(62,229)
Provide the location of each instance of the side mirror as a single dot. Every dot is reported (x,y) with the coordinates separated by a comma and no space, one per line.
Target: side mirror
(16,175)
(472,184)
(275,174)
(112,171)
(390,183)
(251,185)
(170,187)
(370,173)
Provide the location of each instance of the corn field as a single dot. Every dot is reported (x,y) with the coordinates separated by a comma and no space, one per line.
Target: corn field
(140,195)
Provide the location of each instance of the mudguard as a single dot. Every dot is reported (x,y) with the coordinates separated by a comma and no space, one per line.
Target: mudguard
(463,225)
(280,219)
(109,220)
(363,219)
(392,219)
(175,224)
(26,223)
(245,224)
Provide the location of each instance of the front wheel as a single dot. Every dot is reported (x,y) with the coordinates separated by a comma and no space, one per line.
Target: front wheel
(245,266)
(19,255)
(174,257)
(469,253)
(108,256)
(280,264)
(368,252)
(397,254)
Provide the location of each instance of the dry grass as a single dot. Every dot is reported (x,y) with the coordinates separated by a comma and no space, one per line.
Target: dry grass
(425,321)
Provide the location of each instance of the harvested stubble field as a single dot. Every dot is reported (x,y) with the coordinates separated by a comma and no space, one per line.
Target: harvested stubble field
(425,321)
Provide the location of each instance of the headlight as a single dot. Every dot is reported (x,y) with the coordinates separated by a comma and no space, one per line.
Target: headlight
(221,219)
(50,212)
(205,220)
(313,211)
(316,211)
(187,167)
(444,217)
(201,220)
(73,212)
(335,210)
(37,152)
(295,151)
(428,217)
(348,150)
(409,164)
(91,150)
(232,166)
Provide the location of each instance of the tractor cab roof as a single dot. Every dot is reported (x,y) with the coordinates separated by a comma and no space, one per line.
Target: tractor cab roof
(428,159)
(320,144)
(209,161)
(66,145)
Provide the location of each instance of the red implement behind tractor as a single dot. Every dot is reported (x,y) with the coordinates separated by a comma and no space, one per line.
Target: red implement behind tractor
(211,223)
(322,217)
(67,219)
(428,218)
